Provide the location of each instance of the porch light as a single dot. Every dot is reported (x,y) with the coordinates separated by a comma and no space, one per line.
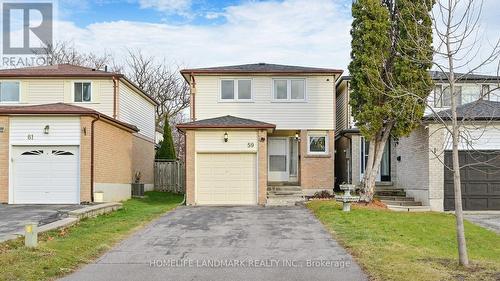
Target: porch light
(46,129)
(226,137)
(297,136)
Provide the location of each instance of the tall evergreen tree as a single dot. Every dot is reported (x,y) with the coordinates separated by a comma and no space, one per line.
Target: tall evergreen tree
(391,56)
(167,148)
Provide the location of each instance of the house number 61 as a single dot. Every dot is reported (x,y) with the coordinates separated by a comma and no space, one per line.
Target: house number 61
(30,137)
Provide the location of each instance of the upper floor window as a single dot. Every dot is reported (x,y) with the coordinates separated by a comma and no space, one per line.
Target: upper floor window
(485,92)
(289,89)
(9,91)
(83,92)
(236,90)
(442,97)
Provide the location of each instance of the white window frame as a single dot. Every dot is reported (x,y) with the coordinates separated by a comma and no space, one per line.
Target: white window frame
(235,82)
(317,134)
(73,92)
(288,89)
(20,91)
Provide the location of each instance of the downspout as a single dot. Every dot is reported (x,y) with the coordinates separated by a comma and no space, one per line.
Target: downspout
(192,88)
(115,95)
(92,157)
(185,168)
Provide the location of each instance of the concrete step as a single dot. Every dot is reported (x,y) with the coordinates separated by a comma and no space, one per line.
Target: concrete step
(401,203)
(395,198)
(284,200)
(390,193)
(286,193)
(408,208)
(95,210)
(284,188)
(387,188)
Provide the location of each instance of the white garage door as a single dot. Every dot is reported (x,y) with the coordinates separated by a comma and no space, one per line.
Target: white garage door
(226,179)
(45,174)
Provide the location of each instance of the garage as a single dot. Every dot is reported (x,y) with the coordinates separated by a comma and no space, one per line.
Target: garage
(480,180)
(45,174)
(226,179)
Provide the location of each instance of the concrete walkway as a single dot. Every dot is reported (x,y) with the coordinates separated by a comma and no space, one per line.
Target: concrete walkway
(227,243)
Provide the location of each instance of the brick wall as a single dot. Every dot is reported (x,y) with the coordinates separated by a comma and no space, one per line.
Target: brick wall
(112,154)
(143,157)
(4,159)
(262,164)
(316,171)
(85,158)
(190,166)
(436,137)
(356,160)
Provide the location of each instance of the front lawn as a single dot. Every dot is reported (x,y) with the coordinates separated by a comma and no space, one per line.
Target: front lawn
(410,246)
(61,252)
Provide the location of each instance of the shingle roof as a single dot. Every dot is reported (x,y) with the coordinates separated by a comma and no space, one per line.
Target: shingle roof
(478,110)
(261,68)
(440,76)
(60,109)
(59,70)
(227,121)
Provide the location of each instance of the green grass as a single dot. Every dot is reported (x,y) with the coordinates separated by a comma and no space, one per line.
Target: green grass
(410,246)
(61,252)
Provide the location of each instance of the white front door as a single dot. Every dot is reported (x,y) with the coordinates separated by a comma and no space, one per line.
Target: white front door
(278,159)
(45,174)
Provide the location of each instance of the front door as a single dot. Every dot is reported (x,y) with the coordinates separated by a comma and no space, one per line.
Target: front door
(278,159)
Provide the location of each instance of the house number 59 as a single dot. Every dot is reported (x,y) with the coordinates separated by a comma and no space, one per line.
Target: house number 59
(30,137)
(250,145)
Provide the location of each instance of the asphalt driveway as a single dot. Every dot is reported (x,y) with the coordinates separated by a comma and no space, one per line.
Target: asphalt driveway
(489,220)
(227,243)
(13,218)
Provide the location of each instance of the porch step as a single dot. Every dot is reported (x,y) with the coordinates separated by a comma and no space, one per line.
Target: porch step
(392,193)
(409,208)
(401,203)
(284,195)
(395,198)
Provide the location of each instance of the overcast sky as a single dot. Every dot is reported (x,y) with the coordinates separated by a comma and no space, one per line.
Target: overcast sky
(211,33)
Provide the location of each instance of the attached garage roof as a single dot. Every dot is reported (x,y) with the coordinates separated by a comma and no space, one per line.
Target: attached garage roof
(227,121)
(60,109)
(478,110)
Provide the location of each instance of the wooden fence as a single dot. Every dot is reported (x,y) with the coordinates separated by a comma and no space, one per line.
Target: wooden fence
(169,176)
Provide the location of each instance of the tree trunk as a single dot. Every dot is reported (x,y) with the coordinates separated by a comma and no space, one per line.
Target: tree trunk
(462,246)
(375,153)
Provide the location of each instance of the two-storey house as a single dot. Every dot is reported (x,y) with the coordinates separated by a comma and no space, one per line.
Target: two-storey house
(68,133)
(257,129)
(415,166)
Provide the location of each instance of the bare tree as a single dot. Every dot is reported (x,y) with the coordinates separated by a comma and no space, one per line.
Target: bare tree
(457,42)
(161,82)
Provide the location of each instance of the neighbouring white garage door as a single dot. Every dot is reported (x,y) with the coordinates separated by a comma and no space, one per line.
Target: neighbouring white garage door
(45,174)
(226,179)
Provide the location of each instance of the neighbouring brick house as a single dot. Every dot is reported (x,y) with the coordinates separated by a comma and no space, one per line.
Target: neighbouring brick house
(415,165)
(68,131)
(259,134)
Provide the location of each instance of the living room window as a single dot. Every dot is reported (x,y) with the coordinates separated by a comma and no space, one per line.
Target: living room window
(82,92)
(289,90)
(239,90)
(317,143)
(9,91)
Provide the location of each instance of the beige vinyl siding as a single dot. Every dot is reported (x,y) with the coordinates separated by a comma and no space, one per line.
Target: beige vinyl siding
(135,109)
(341,107)
(29,130)
(316,113)
(238,141)
(43,91)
